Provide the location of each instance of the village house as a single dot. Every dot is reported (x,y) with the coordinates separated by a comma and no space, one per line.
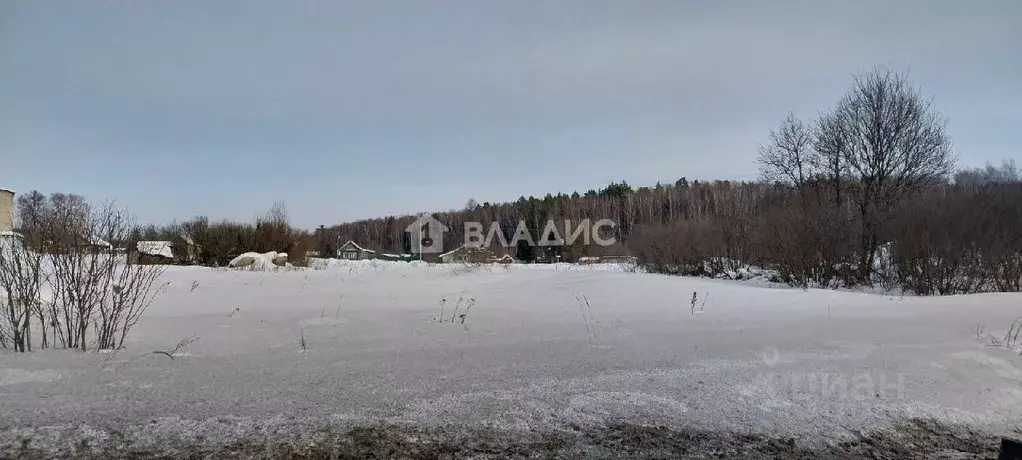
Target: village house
(154,252)
(188,250)
(352,251)
(396,257)
(611,259)
(467,253)
(98,246)
(618,259)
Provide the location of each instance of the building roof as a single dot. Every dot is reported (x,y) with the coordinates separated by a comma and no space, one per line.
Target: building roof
(356,246)
(156,248)
(452,251)
(7,190)
(101,243)
(463,247)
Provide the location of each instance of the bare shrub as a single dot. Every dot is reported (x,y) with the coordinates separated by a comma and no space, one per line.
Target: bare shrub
(938,245)
(1001,223)
(468,308)
(463,268)
(946,239)
(97,293)
(443,306)
(181,344)
(21,279)
(587,317)
(133,290)
(961,239)
(1011,337)
(808,244)
(460,312)
(682,248)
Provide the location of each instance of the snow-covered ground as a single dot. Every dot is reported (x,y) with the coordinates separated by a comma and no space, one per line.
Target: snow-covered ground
(541,348)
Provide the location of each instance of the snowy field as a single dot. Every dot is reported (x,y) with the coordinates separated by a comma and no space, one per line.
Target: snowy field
(359,344)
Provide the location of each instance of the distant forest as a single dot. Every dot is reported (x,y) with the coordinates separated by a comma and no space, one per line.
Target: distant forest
(629,207)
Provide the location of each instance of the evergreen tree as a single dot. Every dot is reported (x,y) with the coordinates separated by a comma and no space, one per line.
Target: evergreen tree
(523,252)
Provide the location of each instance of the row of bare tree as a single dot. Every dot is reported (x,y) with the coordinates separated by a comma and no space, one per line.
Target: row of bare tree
(948,239)
(216,243)
(62,284)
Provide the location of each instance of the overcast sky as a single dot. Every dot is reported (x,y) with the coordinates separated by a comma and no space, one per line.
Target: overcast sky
(346,110)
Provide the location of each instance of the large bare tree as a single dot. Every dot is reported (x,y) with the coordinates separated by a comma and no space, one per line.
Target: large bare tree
(893,143)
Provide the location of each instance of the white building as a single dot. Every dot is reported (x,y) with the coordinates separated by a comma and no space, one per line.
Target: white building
(6,210)
(156,248)
(8,238)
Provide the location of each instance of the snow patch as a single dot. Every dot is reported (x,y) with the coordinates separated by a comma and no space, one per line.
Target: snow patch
(14,376)
(259,261)
(156,248)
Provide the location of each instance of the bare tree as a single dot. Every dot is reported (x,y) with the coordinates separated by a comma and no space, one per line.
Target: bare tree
(787,155)
(32,209)
(1006,173)
(830,145)
(276,215)
(894,144)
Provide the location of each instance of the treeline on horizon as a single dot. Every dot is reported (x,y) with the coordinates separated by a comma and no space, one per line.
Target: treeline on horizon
(60,222)
(957,236)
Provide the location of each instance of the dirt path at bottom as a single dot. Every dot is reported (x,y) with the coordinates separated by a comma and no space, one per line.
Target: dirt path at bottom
(912,439)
